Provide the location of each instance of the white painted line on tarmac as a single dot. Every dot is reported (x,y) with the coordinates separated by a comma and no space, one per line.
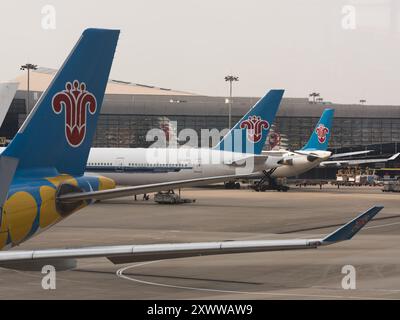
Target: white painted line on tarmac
(120,274)
(382,225)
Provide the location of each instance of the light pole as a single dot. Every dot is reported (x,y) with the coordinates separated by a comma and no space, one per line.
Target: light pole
(29,67)
(231,79)
(314,95)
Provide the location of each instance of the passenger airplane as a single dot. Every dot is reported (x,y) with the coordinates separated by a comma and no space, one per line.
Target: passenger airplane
(314,154)
(42,173)
(238,152)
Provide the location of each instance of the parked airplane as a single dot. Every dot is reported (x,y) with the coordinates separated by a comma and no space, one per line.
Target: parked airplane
(315,153)
(42,172)
(238,152)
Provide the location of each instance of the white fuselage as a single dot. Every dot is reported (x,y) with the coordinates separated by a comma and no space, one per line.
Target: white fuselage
(299,163)
(136,166)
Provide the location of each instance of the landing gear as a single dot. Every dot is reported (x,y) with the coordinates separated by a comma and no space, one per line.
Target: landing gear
(232,185)
(146,197)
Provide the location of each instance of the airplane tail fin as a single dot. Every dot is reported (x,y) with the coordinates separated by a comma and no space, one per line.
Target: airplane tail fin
(58,134)
(319,139)
(250,133)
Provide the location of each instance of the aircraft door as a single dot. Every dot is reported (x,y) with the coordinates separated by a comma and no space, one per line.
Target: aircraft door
(198,168)
(119,165)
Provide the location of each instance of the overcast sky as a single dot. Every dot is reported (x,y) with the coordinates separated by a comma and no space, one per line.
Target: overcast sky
(346,50)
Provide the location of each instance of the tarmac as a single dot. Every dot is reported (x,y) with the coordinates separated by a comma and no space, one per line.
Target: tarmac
(220,214)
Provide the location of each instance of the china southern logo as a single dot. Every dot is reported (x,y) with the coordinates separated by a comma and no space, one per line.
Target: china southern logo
(322,132)
(255,126)
(360,223)
(76,101)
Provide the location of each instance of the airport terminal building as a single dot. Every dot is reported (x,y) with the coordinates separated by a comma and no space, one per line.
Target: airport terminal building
(131,110)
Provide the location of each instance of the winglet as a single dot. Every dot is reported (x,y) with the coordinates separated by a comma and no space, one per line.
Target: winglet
(349,230)
(394,157)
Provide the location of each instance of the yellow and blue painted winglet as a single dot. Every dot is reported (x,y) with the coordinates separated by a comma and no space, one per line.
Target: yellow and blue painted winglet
(349,230)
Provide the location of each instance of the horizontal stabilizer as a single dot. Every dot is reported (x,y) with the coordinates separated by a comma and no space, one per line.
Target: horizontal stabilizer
(356,162)
(350,154)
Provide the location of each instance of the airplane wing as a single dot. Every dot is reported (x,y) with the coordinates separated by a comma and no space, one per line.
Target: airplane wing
(340,163)
(136,190)
(350,154)
(140,253)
